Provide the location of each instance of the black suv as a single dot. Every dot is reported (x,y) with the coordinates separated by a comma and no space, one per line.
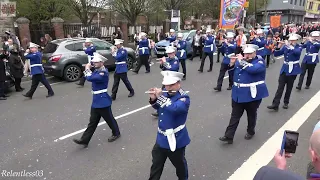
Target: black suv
(65,58)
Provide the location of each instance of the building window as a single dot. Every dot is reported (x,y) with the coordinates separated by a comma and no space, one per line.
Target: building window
(300,3)
(295,2)
(304,3)
(291,2)
(310,5)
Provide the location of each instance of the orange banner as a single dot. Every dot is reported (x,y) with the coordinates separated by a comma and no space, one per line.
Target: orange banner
(275,21)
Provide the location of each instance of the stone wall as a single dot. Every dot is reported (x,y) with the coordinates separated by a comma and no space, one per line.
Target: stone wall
(6,24)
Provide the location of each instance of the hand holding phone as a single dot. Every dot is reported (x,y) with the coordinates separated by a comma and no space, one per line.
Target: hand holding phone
(289,142)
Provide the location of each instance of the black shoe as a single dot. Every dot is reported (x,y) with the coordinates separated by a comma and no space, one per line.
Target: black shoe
(285,106)
(184,78)
(155,114)
(50,95)
(19,90)
(307,87)
(113,138)
(79,84)
(27,96)
(131,94)
(209,70)
(113,97)
(6,96)
(191,59)
(274,107)
(147,72)
(200,70)
(3,98)
(229,88)
(298,88)
(248,136)
(136,72)
(218,61)
(77,141)
(226,139)
(217,89)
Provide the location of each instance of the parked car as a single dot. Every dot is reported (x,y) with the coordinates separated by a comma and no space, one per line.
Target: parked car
(187,36)
(65,58)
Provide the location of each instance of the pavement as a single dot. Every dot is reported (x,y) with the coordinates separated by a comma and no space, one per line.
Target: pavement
(36,135)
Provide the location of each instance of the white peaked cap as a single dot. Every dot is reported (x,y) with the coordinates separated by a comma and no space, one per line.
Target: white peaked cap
(259,31)
(172,30)
(88,40)
(250,48)
(171,77)
(33,45)
(118,41)
(170,49)
(180,35)
(143,34)
(294,37)
(230,35)
(98,57)
(315,33)
(208,30)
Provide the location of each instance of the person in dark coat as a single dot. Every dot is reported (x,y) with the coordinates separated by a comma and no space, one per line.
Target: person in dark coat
(16,68)
(3,56)
(271,173)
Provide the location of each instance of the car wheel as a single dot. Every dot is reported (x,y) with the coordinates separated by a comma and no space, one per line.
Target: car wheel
(131,62)
(72,73)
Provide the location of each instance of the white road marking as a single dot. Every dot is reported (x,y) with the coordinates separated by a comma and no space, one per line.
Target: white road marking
(280,57)
(118,117)
(53,84)
(266,152)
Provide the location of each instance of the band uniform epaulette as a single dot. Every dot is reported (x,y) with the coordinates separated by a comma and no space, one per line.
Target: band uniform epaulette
(182,92)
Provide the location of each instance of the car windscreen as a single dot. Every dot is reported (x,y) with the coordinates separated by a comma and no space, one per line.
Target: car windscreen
(50,48)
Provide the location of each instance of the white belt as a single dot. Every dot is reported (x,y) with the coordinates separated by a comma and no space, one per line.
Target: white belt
(260,48)
(34,65)
(314,56)
(100,91)
(211,46)
(123,62)
(182,52)
(291,63)
(143,49)
(89,59)
(253,87)
(170,134)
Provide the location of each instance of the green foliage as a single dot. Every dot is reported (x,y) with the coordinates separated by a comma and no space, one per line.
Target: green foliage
(259,3)
(39,10)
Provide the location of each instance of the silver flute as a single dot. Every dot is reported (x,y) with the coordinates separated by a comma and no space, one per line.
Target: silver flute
(152,92)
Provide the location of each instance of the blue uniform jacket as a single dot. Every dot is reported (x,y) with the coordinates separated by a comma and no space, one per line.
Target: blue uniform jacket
(182,50)
(170,64)
(291,58)
(121,61)
(254,72)
(35,63)
(144,47)
(312,52)
(90,50)
(100,80)
(209,45)
(172,115)
(227,50)
(171,38)
(261,42)
(267,50)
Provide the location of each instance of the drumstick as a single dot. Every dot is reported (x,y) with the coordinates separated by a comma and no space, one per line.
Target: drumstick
(150,92)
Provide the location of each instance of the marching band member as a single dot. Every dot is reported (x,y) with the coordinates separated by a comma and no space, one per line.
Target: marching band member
(89,49)
(247,92)
(37,71)
(182,54)
(220,38)
(276,40)
(228,48)
(101,101)
(241,40)
(289,71)
(170,63)
(197,45)
(310,60)
(269,48)
(260,41)
(172,136)
(120,54)
(143,47)
(172,36)
(209,49)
